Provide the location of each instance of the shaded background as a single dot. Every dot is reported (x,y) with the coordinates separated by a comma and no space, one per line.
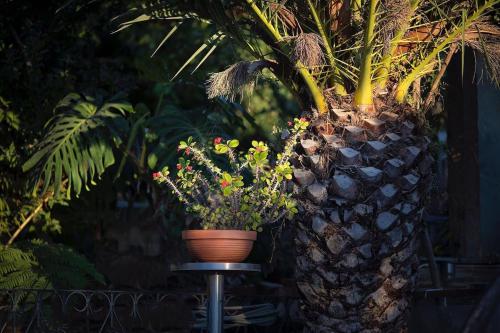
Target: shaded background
(52,48)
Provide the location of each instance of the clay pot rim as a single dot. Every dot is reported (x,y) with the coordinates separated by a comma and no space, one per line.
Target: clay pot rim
(219,234)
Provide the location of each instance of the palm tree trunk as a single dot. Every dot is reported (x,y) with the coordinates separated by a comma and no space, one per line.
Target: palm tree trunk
(362,192)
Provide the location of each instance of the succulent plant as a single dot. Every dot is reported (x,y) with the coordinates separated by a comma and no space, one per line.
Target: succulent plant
(249,193)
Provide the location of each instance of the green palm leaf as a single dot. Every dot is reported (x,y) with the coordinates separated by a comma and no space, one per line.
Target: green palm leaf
(78,143)
(172,125)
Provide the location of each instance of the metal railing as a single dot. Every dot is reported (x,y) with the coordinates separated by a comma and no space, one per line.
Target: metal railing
(110,311)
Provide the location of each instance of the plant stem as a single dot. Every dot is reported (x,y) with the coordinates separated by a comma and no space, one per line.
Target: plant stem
(382,72)
(33,214)
(439,76)
(336,79)
(211,167)
(26,221)
(404,85)
(363,97)
(314,89)
(181,196)
(356,10)
(279,217)
(273,185)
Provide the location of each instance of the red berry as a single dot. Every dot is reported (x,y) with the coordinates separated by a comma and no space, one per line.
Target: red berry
(224,184)
(189,168)
(179,167)
(188,151)
(217,140)
(290,123)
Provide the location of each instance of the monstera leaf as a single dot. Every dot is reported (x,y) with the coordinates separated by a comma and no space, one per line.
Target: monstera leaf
(78,144)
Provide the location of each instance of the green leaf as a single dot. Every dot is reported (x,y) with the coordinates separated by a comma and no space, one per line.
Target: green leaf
(221,149)
(33,160)
(152,160)
(170,33)
(227,177)
(227,191)
(233,143)
(213,39)
(205,57)
(36,264)
(77,144)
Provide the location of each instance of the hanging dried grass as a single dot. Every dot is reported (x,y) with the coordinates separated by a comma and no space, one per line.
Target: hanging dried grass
(484,38)
(308,50)
(396,15)
(490,50)
(234,81)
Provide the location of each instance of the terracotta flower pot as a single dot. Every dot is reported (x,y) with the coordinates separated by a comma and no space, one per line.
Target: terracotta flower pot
(219,245)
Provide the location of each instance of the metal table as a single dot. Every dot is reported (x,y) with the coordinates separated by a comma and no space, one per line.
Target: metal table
(215,272)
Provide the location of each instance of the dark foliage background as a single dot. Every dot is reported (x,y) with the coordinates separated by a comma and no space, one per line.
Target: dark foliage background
(53,48)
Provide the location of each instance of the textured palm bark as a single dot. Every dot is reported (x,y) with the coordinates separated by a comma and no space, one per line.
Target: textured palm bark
(362,181)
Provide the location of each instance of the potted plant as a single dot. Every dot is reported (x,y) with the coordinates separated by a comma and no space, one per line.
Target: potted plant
(232,204)
(367,73)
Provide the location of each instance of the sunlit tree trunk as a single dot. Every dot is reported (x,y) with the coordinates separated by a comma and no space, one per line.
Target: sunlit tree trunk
(362,191)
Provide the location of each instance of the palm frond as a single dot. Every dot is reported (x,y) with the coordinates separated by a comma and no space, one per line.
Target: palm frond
(370,46)
(441,44)
(78,145)
(167,36)
(152,11)
(214,40)
(172,125)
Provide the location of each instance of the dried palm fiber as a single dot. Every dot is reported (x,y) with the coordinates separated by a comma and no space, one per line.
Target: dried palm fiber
(396,14)
(286,16)
(485,39)
(232,82)
(308,50)
(339,14)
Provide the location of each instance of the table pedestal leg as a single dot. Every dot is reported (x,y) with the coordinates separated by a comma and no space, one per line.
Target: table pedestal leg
(215,303)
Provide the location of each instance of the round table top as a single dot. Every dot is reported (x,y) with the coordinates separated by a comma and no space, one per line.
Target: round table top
(216,266)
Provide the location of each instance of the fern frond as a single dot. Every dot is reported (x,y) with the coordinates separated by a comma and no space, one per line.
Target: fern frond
(37,264)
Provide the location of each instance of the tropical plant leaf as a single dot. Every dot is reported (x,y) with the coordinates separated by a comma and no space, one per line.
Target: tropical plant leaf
(167,36)
(213,40)
(78,144)
(173,125)
(150,11)
(407,39)
(39,265)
